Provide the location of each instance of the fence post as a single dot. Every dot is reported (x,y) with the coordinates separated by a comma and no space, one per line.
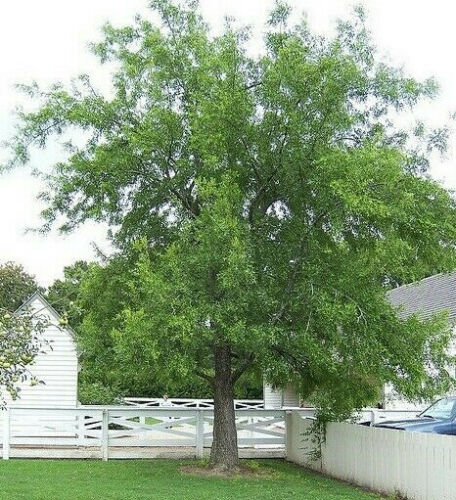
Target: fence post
(80,429)
(288,418)
(105,434)
(372,422)
(6,433)
(199,433)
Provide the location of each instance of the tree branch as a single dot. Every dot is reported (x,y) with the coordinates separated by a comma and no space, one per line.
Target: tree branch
(291,358)
(205,377)
(253,85)
(297,261)
(243,366)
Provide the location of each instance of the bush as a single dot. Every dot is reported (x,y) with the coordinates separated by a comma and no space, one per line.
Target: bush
(97,394)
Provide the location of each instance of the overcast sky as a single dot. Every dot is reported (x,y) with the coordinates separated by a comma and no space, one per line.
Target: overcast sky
(46,41)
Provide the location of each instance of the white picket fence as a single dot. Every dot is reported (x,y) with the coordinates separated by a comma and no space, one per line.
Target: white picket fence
(133,432)
(419,466)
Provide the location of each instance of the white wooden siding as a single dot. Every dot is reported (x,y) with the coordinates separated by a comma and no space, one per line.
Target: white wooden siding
(272,397)
(290,397)
(278,398)
(57,367)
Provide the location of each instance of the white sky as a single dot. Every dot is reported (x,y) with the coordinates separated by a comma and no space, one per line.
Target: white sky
(46,41)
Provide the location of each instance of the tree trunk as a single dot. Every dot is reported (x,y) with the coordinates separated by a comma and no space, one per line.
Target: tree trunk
(224,452)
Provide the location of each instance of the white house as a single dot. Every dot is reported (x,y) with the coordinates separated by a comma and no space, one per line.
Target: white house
(425,298)
(56,367)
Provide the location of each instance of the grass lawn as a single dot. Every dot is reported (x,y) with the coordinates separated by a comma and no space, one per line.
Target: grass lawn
(158,480)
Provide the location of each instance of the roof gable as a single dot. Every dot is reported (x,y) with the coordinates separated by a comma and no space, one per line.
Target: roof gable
(45,306)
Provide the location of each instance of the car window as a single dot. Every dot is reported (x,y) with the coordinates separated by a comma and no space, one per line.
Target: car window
(442,409)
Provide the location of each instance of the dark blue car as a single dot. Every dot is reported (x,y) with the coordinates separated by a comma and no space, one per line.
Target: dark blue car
(439,418)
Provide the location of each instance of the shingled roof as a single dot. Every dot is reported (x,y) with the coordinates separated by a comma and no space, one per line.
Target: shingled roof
(426,297)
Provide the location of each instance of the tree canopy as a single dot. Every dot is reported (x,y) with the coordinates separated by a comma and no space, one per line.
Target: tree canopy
(63,294)
(93,297)
(272,197)
(15,285)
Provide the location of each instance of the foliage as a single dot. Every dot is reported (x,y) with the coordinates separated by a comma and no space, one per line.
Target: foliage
(20,342)
(273,198)
(91,297)
(20,338)
(15,285)
(105,295)
(96,394)
(63,294)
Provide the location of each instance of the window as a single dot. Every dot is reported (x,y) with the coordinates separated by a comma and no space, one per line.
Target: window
(442,409)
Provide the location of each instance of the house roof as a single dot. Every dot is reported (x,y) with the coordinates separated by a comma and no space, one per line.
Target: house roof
(46,305)
(427,297)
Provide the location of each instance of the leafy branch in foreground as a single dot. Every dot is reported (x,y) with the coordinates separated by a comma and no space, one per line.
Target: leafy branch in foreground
(20,342)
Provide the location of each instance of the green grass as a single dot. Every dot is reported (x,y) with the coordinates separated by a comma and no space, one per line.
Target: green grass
(148,420)
(158,480)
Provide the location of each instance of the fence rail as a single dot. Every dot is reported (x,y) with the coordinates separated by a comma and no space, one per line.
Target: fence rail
(372,415)
(239,404)
(375,416)
(130,432)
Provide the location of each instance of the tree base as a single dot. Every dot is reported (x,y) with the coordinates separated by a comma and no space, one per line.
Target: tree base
(219,471)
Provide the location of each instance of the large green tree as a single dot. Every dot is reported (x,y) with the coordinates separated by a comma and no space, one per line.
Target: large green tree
(15,285)
(274,199)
